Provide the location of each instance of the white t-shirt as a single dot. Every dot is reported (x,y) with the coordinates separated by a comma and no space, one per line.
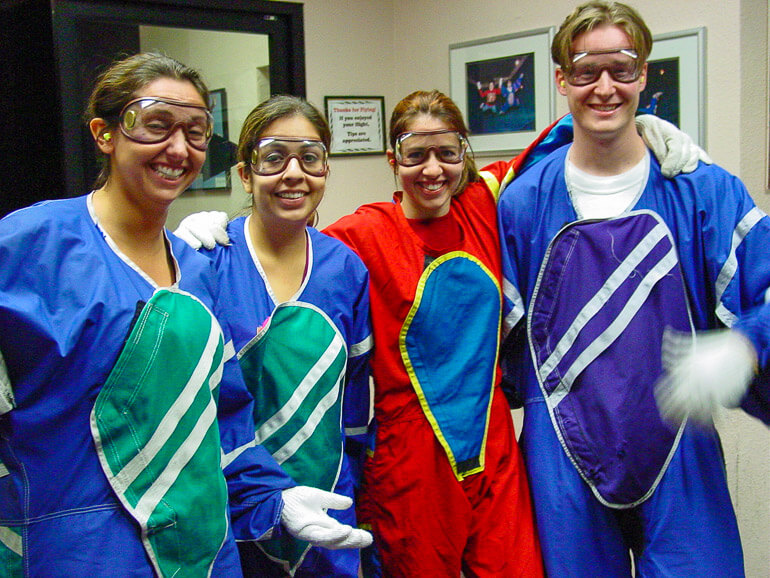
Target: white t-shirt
(596,197)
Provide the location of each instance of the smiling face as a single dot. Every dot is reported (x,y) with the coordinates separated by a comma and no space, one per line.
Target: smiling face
(159,172)
(603,109)
(290,196)
(428,187)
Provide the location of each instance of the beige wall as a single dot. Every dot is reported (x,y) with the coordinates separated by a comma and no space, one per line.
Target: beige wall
(349,52)
(360,48)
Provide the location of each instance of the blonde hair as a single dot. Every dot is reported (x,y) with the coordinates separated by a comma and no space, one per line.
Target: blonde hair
(593,14)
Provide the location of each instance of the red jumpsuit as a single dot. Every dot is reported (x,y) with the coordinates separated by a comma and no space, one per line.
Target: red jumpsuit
(445,489)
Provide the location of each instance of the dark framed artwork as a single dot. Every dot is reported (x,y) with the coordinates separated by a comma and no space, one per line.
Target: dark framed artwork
(676,82)
(504,88)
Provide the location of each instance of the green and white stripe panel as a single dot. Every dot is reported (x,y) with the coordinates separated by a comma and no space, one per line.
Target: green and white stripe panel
(155,428)
(295,369)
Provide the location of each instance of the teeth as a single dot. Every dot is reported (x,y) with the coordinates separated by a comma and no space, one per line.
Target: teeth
(434,186)
(169,172)
(291,195)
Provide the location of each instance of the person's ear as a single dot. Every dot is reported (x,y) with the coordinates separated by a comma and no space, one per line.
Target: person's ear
(643,78)
(391,159)
(561,81)
(102,135)
(244,172)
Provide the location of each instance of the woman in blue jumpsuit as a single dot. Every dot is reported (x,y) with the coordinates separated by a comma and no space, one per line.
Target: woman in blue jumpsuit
(299,308)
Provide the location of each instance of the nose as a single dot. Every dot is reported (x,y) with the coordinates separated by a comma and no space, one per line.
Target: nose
(605,85)
(431,165)
(177,142)
(293,169)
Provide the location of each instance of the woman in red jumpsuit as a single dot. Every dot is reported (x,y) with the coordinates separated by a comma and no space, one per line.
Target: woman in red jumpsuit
(444,489)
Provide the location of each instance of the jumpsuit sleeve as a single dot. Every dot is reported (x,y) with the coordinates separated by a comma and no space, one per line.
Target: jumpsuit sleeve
(356,404)
(33,317)
(254,478)
(553,137)
(740,271)
(757,327)
(510,221)
(499,174)
(498,177)
(344,229)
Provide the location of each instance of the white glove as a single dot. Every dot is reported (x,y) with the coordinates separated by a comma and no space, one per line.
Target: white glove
(207,228)
(675,150)
(713,369)
(304,516)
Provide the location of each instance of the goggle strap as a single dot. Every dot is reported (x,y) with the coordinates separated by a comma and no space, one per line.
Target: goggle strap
(628,52)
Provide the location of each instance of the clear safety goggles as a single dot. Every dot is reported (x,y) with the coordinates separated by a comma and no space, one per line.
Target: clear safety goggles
(413,148)
(623,65)
(272,155)
(152,120)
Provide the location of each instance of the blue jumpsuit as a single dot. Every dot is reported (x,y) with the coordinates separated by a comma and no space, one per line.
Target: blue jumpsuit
(129,405)
(281,348)
(586,302)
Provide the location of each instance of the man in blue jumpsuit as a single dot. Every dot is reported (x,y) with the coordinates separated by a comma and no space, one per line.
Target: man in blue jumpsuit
(604,260)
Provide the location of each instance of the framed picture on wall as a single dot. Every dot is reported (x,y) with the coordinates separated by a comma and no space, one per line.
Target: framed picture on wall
(504,87)
(357,124)
(220,156)
(676,81)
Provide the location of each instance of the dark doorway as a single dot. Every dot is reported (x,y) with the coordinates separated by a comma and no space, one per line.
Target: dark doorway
(53,49)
